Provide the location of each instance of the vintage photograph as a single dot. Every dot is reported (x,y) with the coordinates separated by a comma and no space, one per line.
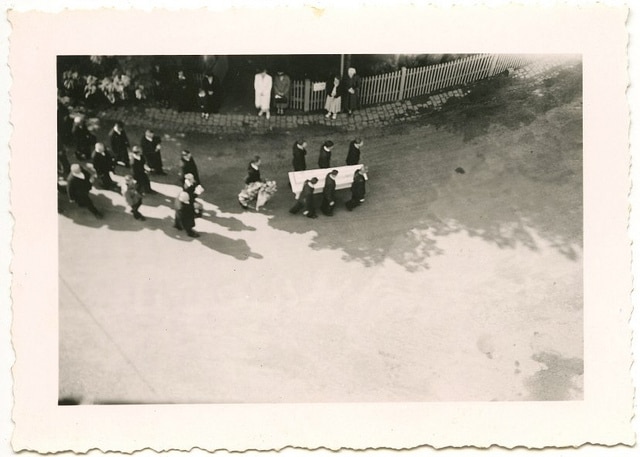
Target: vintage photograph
(320,228)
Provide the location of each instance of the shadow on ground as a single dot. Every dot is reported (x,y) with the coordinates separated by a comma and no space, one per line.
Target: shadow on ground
(118,218)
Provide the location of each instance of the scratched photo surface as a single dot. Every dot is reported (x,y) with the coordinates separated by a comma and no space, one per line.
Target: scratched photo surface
(458,277)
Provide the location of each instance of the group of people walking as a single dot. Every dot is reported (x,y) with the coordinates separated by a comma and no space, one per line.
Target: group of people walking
(305,201)
(141,160)
(98,165)
(299,154)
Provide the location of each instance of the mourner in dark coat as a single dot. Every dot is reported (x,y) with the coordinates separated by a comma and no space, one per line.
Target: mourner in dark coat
(188,165)
(299,152)
(353,156)
(120,144)
(151,147)
(138,169)
(324,158)
(104,164)
(78,187)
(212,94)
(185,216)
(83,138)
(181,99)
(305,200)
(133,197)
(329,193)
(253,171)
(191,187)
(351,97)
(358,189)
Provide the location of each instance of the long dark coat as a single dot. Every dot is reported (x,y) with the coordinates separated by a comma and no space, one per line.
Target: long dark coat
(213,95)
(353,156)
(120,145)
(351,101)
(299,161)
(78,188)
(358,187)
(189,166)
(140,174)
(153,157)
(324,159)
(328,195)
(185,216)
(306,198)
(329,190)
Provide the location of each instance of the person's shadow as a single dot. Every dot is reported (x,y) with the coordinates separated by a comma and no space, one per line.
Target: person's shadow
(117,216)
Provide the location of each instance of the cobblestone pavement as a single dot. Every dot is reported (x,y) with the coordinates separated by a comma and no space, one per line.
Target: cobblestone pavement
(371,116)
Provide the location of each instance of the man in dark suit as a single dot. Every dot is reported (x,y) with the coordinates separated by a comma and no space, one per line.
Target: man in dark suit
(324,159)
(120,143)
(306,200)
(329,193)
(104,164)
(185,215)
(353,156)
(151,147)
(188,165)
(358,189)
(78,187)
(299,152)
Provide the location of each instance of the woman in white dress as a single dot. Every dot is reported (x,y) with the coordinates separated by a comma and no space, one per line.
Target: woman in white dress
(262,85)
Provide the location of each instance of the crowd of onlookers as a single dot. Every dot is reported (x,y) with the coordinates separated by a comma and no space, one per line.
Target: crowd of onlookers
(96,163)
(343,94)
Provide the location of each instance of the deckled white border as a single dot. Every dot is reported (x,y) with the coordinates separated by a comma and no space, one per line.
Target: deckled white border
(585,233)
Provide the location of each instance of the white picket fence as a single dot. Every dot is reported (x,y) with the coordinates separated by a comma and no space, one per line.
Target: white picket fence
(412,82)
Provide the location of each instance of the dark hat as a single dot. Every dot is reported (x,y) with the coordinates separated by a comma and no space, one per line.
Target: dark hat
(314,180)
(333,172)
(328,143)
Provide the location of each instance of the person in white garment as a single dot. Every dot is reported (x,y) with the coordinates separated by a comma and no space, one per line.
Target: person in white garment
(262,84)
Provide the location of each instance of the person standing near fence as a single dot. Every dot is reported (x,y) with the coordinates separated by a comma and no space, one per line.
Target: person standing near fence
(299,155)
(324,159)
(358,188)
(281,91)
(329,193)
(212,95)
(262,84)
(334,97)
(353,156)
(352,83)
(180,93)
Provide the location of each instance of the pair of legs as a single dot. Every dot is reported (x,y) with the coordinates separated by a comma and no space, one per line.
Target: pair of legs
(327,207)
(181,224)
(353,203)
(136,214)
(308,212)
(87,203)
